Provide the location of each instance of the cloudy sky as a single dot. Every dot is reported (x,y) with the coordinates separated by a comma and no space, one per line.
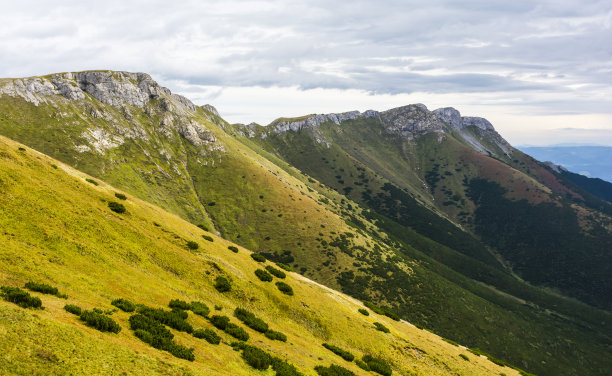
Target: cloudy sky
(540,71)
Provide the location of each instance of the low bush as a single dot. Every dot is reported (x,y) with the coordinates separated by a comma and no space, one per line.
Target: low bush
(363,365)
(75,310)
(258,257)
(364,311)
(256,357)
(333,370)
(155,328)
(162,342)
(222,284)
(174,319)
(275,272)
(208,334)
(42,288)
(219,322)
(116,207)
(236,332)
(284,288)
(209,238)
(464,357)
(377,365)
(99,321)
(121,196)
(284,266)
(263,275)
(200,309)
(381,310)
(340,352)
(179,304)
(282,368)
(92,181)
(203,227)
(124,305)
(20,297)
(276,336)
(233,249)
(249,319)
(381,327)
(192,245)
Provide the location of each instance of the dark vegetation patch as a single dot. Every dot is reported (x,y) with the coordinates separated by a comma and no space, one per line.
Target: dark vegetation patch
(158,336)
(364,311)
(179,304)
(377,365)
(363,365)
(99,321)
(284,288)
(208,334)
(249,319)
(222,284)
(192,245)
(174,319)
(74,309)
(208,238)
(256,357)
(275,336)
(121,196)
(284,266)
(258,257)
(116,207)
(381,327)
(124,305)
(333,370)
(199,308)
(283,368)
(233,248)
(381,310)
(44,289)
(340,352)
(20,297)
(275,272)
(92,181)
(263,275)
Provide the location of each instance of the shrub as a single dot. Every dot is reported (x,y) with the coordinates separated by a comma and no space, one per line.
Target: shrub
(236,332)
(275,272)
(276,336)
(222,284)
(120,196)
(99,321)
(200,309)
(284,288)
(75,310)
(208,334)
(250,320)
(124,305)
(258,257)
(209,238)
(381,310)
(179,304)
(377,365)
(155,328)
(256,357)
(203,227)
(165,344)
(174,319)
(92,181)
(233,249)
(284,266)
(364,311)
(192,245)
(219,322)
(20,297)
(363,365)
(263,275)
(464,357)
(333,370)
(116,207)
(44,289)
(282,368)
(381,327)
(341,352)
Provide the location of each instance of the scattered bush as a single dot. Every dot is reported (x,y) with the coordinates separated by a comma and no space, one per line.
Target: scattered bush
(174,319)
(381,327)
(284,266)
(219,322)
(209,238)
(377,365)
(200,309)
(99,321)
(75,310)
(250,320)
(256,357)
(222,284)
(333,370)
(54,166)
(45,289)
(236,332)
(124,305)
(450,341)
(340,352)
(203,227)
(258,257)
(150,325)
(233,248)
(20,297)
(179,304)
(275,272)
(263,275)
(464,357)
(165,344)
(364,311)
(363,365)
(92,181)
(116,207)
(121,196)
(208,334)
(192,245)
(276,336)
(381,310)
(284,288)
(282,368)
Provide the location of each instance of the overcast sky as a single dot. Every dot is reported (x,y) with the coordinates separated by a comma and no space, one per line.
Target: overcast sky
(540,71)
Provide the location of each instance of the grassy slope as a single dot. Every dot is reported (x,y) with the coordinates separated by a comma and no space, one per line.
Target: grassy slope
(56,228)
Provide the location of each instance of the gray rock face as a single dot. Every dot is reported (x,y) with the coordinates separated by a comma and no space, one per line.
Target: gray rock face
(315,121)
(211,109)
(450,116)
(411,120)
(196,134)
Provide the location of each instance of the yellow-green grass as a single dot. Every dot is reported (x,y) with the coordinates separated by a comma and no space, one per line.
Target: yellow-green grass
(56,228)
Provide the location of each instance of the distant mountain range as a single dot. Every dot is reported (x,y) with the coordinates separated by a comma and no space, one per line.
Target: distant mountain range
(590,161)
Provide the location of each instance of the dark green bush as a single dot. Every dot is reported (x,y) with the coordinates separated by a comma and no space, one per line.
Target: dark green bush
(200,309)
(340,352)
(208,334)
(381,310)
(42,288)
(158,339)
(364,311)
(219,322)
(75,310)
(276,336)
(192,245)
(256,357)
(174,319)
(282,368)
(92,181)
(284,288)
(381,327)
(250,320)
(361,364)
(124,305)
(116,207)
(150,325)
(99,321)
(275,272)
(222,284)
(20,297)
(258,257)
(377,365)
(233,249)
(209,238)
(464,357)
(333,370)
(203,227)
(120,196)
(236,332)
(179,304)
(284,266)
(263,275)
